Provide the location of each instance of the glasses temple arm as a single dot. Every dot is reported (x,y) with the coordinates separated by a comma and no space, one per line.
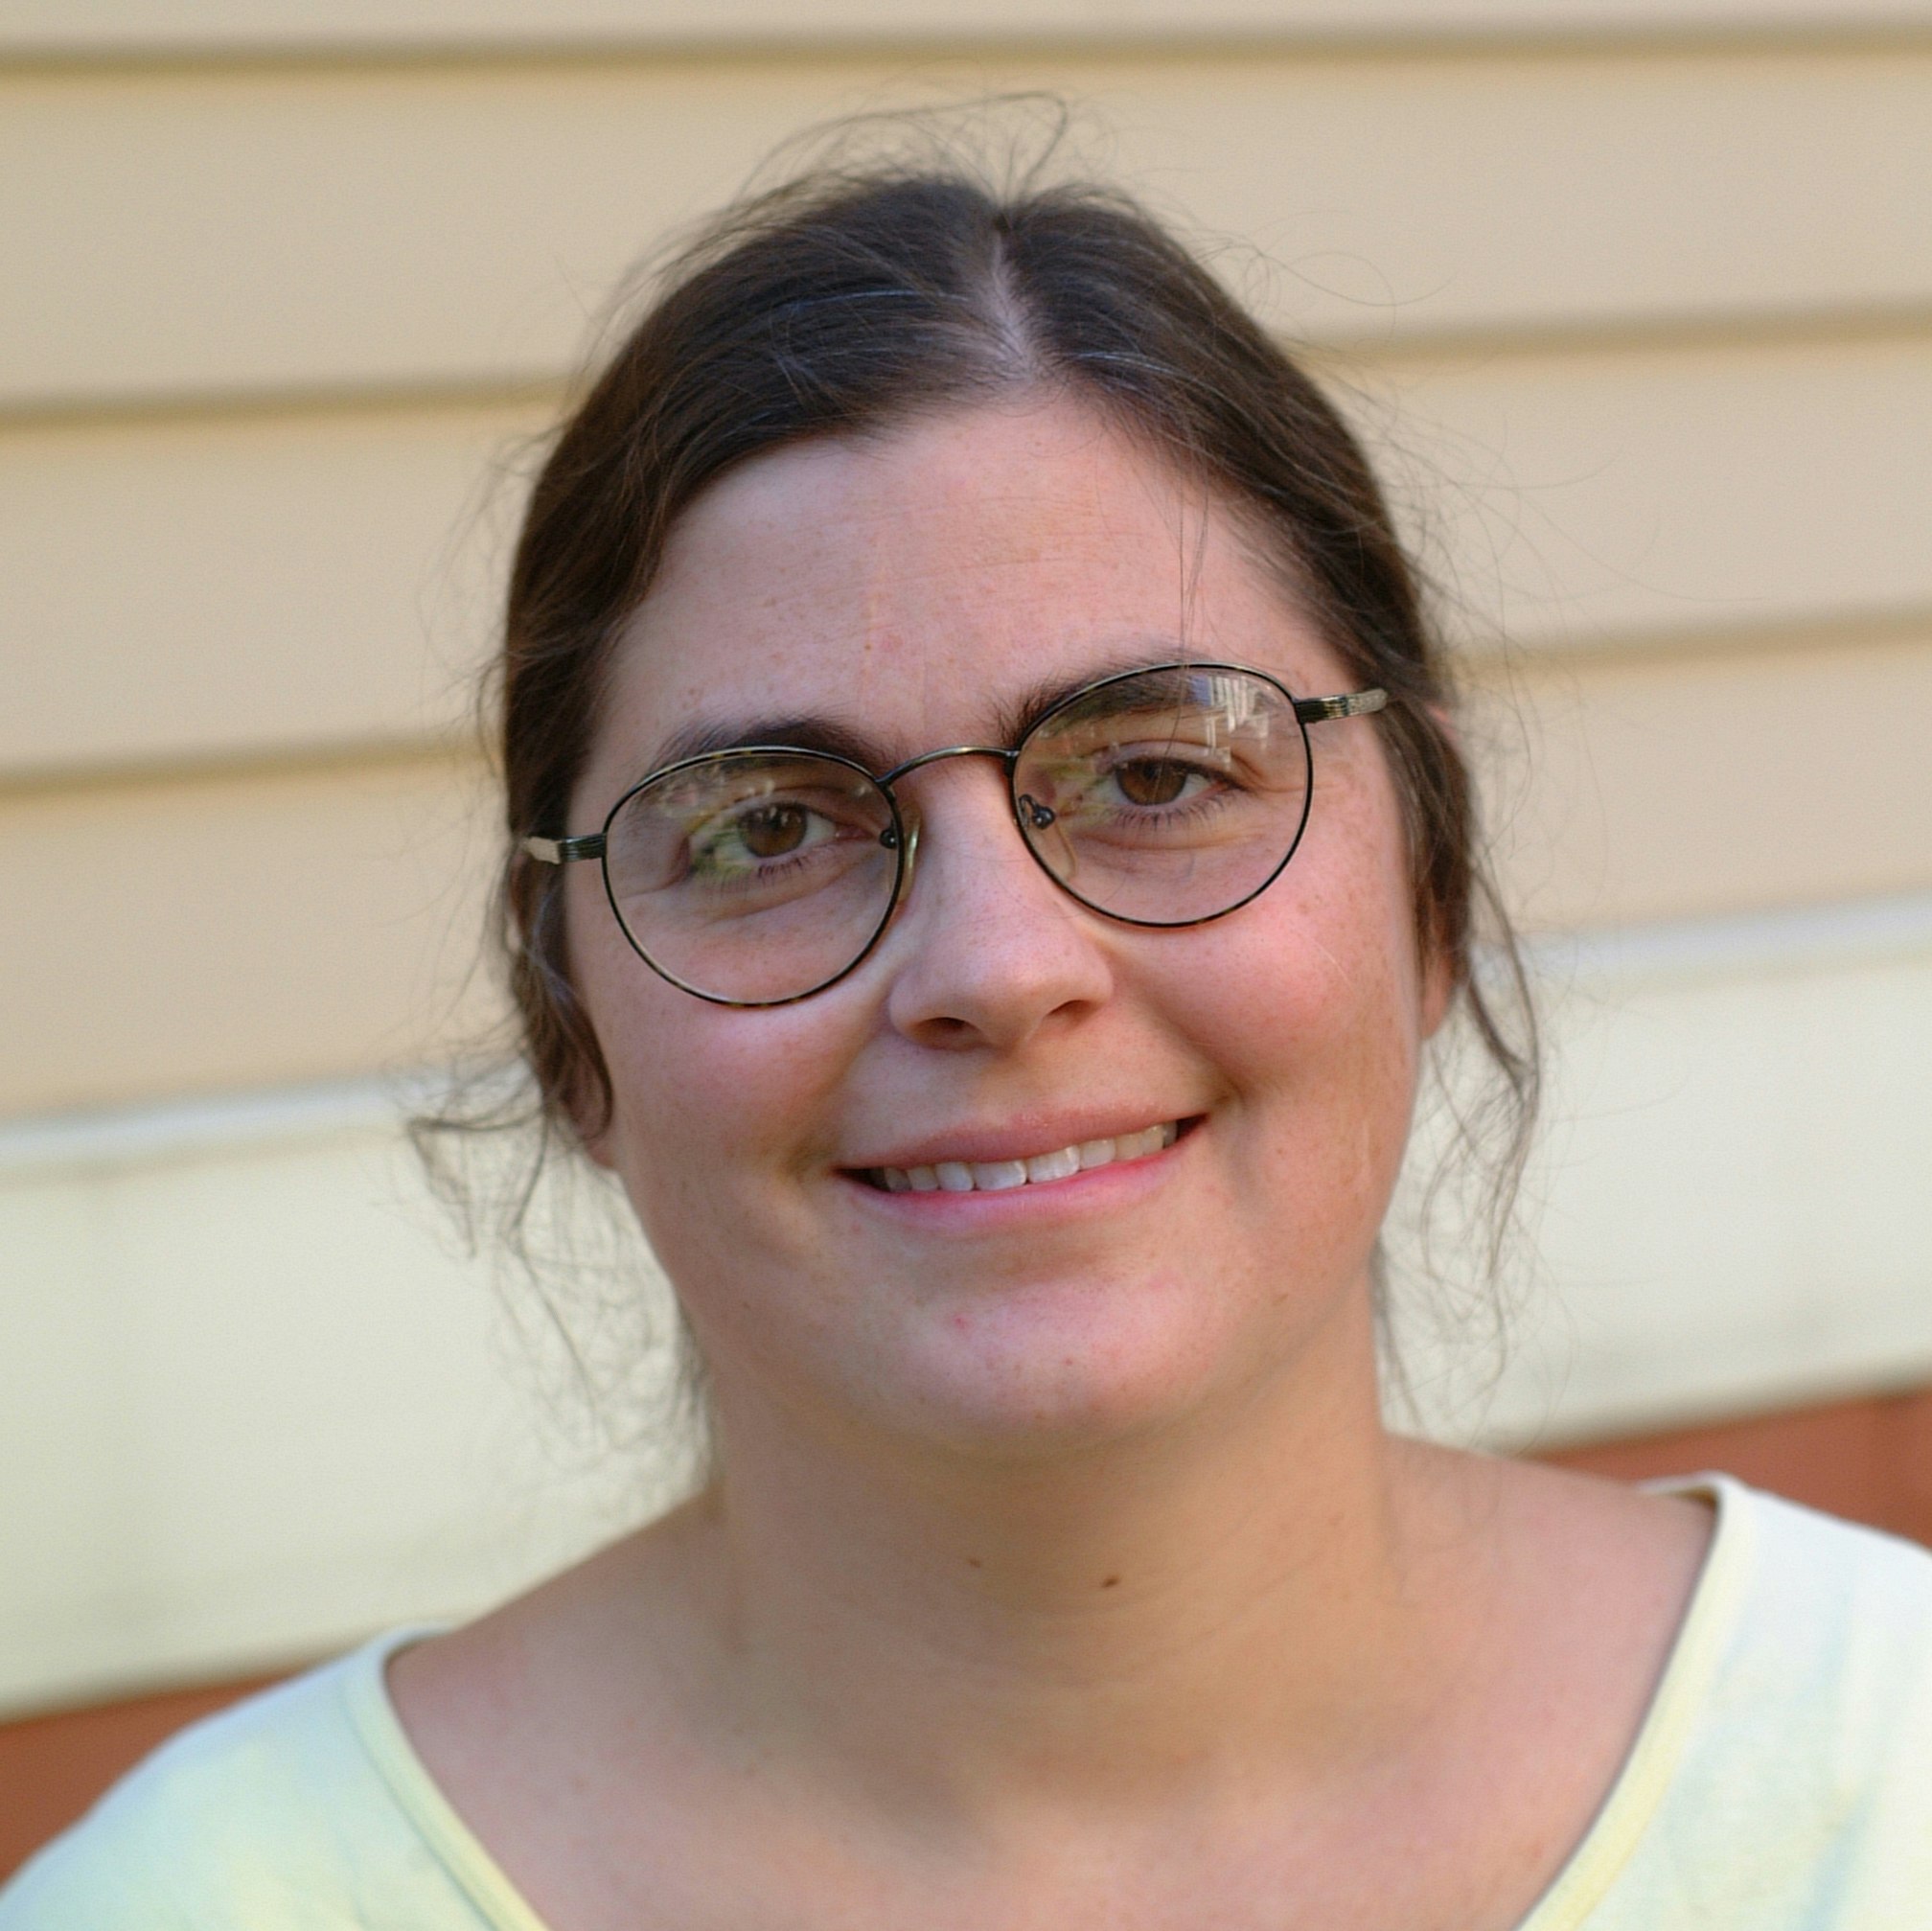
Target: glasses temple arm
(1355,705)
(564,851)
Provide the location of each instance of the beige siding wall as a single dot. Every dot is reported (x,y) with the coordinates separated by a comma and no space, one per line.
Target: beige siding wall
(250,26)
(249,229)
(1634,299)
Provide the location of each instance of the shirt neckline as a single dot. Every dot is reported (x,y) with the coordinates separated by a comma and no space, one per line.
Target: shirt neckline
(1683,1687)
(1583,1883)
(428,1811)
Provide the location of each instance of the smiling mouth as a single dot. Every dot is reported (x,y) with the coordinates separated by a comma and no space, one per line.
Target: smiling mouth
(1002,1176)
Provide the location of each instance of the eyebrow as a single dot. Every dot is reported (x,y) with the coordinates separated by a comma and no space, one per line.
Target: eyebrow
(1021,713)
(810,731)
(803,732)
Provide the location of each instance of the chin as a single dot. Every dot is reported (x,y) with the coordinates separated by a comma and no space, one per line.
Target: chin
(1052,1367)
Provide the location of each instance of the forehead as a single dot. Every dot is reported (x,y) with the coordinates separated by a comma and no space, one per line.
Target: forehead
(916,586)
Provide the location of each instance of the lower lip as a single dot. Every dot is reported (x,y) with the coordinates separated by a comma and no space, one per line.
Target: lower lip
(1095,1189)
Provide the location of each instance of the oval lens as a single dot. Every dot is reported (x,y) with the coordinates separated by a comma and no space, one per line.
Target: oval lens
(1166,797)
(754,876)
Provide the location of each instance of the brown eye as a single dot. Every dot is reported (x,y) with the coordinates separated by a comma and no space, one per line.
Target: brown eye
(772,830)
(1151,781)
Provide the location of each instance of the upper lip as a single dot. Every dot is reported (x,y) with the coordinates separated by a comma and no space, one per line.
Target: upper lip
(1025,1138)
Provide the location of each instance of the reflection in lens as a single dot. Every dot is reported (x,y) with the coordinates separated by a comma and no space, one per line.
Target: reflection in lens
(753,876)
(1166,797)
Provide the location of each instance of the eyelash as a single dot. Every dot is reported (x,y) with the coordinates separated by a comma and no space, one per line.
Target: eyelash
(764,876)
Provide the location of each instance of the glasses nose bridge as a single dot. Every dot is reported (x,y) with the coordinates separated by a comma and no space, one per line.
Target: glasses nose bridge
(1005,756)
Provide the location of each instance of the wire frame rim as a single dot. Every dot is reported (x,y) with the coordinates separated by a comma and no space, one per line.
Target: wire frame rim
(859,958)
(903,844)
(1248,898)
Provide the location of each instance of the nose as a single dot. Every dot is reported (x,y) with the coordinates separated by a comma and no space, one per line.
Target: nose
(987,949)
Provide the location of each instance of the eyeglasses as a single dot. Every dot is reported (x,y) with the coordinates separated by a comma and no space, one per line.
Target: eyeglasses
(1161,797)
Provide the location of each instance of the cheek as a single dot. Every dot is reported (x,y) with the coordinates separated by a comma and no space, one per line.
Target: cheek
(704,1096)
(719,1090)
(1313,1012)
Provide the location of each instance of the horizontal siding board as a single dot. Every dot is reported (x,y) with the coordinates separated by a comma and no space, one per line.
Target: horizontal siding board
(183,234)
(270,1412)
(248,586)
(244,931)
(1724,1212)
(176,590)
(1665,788)
(1573,499)
(250,929)
(58,27)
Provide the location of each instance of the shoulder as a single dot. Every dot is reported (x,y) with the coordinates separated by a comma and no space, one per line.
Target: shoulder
(276,1815)
(1791,1745)
(1831,1636)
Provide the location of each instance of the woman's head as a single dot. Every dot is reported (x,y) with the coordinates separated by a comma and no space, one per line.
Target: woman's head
(898,453)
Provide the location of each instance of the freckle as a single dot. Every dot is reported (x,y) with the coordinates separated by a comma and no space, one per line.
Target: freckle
(1112,1582)
(974,1562)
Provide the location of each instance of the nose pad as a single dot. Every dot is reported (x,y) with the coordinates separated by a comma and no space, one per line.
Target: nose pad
(902,837)
(1038,815)
(1037,824)
(909,822)
(909,812)
(1045,838)
(988,959)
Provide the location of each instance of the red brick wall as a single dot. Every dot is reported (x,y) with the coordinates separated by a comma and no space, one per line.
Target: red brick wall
(53,1767)
(1869,1459)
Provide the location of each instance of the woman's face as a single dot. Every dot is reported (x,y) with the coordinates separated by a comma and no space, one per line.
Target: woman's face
(912,590)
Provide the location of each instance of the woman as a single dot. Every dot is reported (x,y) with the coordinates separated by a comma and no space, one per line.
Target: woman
(988,858)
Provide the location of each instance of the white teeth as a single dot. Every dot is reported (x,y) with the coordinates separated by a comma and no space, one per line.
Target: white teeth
(1061,1166)
(999,1176)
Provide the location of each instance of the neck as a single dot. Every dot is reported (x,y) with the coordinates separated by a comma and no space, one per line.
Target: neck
(1240,1587)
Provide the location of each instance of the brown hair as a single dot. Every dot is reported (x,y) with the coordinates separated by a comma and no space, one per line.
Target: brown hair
(848,302)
